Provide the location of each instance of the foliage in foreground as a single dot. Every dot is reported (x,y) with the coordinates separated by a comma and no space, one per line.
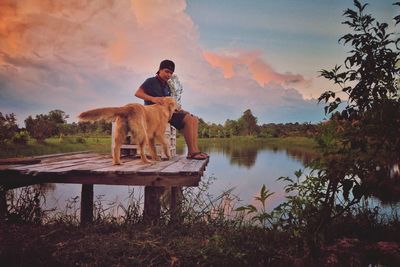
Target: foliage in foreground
(360,145)
(208,233)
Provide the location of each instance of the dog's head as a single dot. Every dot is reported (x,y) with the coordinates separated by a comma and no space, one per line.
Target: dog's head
(171,104)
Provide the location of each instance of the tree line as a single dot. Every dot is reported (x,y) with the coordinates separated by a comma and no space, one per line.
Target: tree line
(44,126)
(54,124)
(247,125)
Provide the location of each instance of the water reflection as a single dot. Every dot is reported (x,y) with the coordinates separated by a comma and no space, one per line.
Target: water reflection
(244,154)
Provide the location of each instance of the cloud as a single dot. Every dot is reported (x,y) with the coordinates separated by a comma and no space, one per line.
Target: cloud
(73,55)
(260,71)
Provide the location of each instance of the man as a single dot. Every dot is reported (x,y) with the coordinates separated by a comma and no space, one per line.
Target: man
(153,91)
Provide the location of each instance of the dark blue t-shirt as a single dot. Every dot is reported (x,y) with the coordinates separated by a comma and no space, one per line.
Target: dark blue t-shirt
(155,87)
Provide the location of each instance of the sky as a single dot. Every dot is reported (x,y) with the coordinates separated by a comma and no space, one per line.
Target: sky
(230,56)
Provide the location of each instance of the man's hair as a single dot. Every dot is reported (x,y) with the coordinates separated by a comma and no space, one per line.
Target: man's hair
(167,64)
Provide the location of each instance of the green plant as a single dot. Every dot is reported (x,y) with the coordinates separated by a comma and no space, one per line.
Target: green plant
(261,215)
(25,205)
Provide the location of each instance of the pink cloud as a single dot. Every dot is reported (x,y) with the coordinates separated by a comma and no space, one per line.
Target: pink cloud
(259,70)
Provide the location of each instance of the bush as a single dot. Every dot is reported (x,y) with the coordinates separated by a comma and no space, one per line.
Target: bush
(21,138)
(80,140)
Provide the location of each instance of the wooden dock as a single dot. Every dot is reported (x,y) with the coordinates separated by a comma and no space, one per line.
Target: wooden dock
(89,168)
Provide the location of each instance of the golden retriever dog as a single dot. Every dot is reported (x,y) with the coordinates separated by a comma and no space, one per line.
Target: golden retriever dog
(146,124)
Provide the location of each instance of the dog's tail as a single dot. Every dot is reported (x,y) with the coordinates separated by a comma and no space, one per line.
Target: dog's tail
(107,114)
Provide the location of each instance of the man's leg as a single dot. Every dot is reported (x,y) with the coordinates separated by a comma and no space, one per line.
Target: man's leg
(190,134)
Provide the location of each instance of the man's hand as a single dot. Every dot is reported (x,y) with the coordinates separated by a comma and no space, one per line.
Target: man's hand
(158,100)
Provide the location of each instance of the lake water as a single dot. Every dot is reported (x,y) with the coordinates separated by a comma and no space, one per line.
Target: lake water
(245,167)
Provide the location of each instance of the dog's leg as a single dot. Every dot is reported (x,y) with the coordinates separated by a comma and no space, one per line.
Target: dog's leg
(143,141)
(165,146)
(142,145)
(153,150)
(119,137)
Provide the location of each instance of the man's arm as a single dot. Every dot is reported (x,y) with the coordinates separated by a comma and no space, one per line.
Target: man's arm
(142,95)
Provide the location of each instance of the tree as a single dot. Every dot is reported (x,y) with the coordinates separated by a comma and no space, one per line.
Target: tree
(369,123)
(232,127)
(40,127)
(8,127)
(58,116)
(248,123)
(361,144)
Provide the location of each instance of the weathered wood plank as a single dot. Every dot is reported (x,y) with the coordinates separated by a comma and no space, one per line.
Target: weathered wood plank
(174,168)
(63,154)
(116,179)
(152,204)
(7,167)
(194,166)
(127,167)
(186,167)
(176,209)
(24,160)
(48,167)
(84,166)
(66,156)
(87,204)
(55,161)
(3,204)
(157,167)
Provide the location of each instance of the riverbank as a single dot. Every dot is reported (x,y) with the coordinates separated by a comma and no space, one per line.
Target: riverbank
(213,243)
(102,144)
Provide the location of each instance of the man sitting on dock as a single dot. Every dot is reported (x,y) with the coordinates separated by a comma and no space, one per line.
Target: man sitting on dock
(154,89)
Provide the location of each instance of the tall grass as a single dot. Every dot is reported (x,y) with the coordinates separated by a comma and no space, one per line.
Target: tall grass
(53,145)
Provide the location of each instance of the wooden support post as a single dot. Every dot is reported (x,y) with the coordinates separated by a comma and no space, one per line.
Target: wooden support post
(3,203)
(87,204)
(152,205)
(176,197)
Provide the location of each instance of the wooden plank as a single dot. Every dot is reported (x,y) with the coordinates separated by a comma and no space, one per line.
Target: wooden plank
(116,179)
(69,157)
(53,166)
(7,167)
(3,204)
(176,209)
(152,204)
(194,167)
(62,154)
(85,166)
(24,160)
(159,166)
(174,168)
(186,167)
(57,161)
(127,167)
(87,204)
